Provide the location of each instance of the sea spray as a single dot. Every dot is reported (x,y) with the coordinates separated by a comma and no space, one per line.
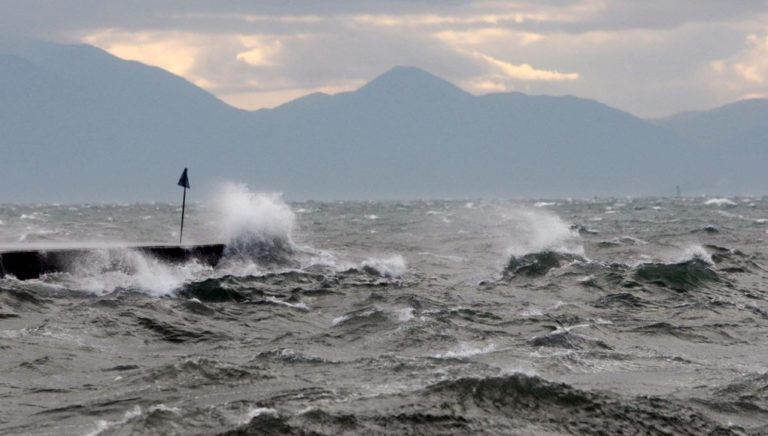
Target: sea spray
(535,230)
(390,267)
(106,270)
(257,227)
(540,242)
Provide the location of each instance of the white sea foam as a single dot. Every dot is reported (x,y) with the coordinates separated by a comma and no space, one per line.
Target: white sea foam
(679,255)
(300,306)
(405,314)
(524,369)
(103,425)
(258,411)
(392,266)
(341,319)
(163,408)
(720,202)
(248,221)
(531,312)
(466,350)
(103,271)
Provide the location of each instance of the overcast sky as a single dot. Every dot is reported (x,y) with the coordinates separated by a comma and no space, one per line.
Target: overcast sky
(649,57)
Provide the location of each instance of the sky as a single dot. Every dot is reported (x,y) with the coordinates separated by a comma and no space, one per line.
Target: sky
(651,58)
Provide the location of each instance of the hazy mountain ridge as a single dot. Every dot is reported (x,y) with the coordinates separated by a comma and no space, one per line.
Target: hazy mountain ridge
(80,124)
(720,124)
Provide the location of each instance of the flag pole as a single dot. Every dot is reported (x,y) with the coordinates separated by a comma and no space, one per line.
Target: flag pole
(183,182)
(183,206)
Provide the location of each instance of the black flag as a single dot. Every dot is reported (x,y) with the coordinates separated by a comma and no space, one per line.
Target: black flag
(184,180)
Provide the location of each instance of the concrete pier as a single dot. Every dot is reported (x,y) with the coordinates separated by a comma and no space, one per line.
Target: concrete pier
(31,264)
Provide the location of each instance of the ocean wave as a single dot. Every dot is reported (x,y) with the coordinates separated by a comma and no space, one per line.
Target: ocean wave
(681,276)
(519,400)
(538,264)
(720,202)
(289,355)
(178,332)
(565,338)
(388,267)
(199,370)
(362,317)
(465,350)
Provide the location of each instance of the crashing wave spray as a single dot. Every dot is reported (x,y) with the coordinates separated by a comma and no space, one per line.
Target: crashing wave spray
(257,227)
(103,271)
(534,231)
(542,241)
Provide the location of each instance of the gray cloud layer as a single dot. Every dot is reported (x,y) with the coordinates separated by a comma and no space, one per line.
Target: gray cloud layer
(651,58)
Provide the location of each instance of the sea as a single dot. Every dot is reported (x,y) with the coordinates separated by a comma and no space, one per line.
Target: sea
(530,317)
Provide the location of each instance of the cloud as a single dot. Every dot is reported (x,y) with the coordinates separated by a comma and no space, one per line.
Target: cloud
(524,71)
(261,50)
(170,51)
(486,84)
(650,57)
(271,98)
(744,74)
(485,35)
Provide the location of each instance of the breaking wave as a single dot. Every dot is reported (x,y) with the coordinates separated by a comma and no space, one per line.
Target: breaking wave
(691,270)
(533,231)
(257,227)
(538,264)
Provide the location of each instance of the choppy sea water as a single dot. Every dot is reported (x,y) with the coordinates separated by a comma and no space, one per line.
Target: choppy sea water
(596,316)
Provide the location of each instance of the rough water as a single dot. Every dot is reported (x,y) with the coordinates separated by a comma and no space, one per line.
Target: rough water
(600,316)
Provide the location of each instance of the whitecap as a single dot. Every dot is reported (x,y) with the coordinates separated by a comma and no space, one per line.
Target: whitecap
(258,411)
(405,314)
(300,306)
(466,350)
(104,425)
(719,202)
(392,266)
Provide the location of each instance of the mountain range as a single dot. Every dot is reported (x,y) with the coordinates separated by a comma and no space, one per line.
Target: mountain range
(78,124)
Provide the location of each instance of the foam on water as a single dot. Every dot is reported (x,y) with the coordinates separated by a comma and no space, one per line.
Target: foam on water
(300,306)
(255,226)
(258,411)
(104,271)
(392,266)
(405,314)
(103,425)
(326,346)
(466,350)
(720,202)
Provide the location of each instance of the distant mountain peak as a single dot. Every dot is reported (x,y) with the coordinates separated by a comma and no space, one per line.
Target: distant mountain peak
(409,80)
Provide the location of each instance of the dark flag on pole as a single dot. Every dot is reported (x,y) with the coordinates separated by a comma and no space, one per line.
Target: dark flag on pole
(183,182)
